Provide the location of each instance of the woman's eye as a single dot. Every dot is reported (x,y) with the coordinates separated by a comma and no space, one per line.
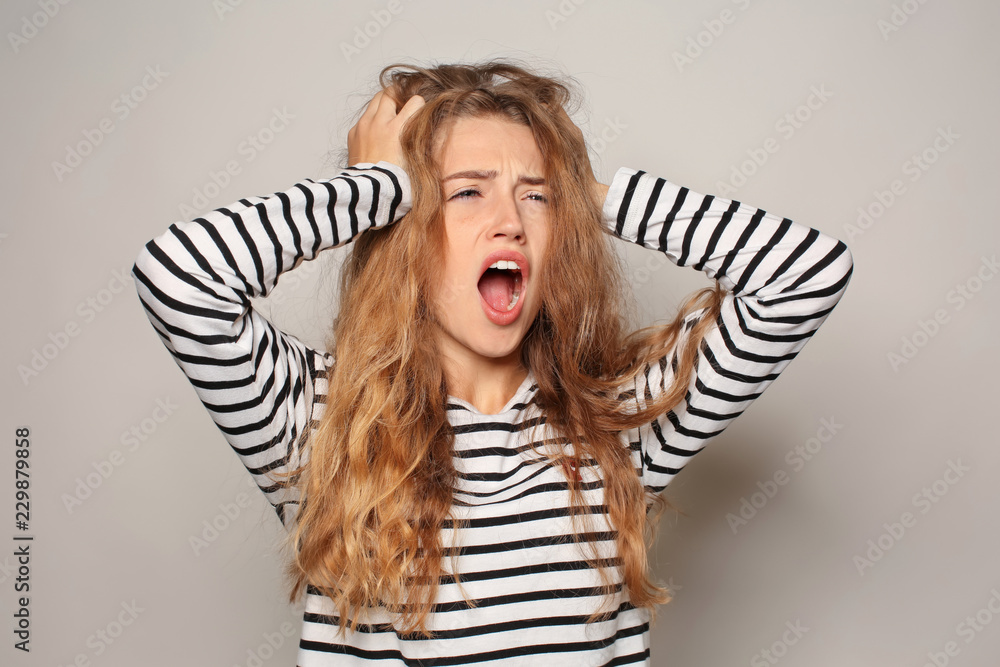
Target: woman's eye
(538,196)
(468,193)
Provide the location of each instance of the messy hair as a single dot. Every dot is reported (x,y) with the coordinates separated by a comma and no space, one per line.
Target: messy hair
(378,485)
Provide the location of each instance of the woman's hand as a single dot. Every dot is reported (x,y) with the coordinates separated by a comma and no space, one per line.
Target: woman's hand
(375,137)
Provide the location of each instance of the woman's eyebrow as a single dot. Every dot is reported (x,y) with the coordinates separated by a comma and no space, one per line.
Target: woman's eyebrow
(531,180)
(477,175)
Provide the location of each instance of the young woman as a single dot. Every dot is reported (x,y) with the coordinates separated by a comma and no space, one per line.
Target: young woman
(469,474)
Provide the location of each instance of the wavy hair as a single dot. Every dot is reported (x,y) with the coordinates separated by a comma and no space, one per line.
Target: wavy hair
(377,488)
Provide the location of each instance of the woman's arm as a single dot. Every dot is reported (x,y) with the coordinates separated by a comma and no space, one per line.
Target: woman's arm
(782,280)
(195,281)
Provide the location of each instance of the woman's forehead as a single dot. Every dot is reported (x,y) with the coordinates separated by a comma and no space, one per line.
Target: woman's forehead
(465,141)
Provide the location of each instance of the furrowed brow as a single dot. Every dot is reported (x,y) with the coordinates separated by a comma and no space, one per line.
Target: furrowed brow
(531,180)
(482,175)
(472,174)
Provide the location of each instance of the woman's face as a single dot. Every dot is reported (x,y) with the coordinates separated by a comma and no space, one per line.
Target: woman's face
(496,214)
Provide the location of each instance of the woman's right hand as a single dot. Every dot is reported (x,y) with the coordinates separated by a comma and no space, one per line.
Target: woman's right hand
(375,137)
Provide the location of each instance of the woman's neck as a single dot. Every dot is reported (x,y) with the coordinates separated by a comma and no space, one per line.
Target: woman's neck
(486,384)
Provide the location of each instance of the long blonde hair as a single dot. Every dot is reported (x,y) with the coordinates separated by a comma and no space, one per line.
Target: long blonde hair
(377,487)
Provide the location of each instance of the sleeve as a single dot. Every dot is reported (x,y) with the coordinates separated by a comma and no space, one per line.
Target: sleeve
(782,280)
(195,282)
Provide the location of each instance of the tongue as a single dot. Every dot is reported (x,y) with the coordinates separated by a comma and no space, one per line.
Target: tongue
(497,288)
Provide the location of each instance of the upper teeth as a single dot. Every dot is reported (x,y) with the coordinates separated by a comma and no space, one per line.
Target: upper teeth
(505,265)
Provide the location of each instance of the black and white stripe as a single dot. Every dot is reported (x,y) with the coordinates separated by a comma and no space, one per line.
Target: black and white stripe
(516,588)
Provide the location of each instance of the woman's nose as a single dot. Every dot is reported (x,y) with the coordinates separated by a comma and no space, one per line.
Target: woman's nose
(508,219)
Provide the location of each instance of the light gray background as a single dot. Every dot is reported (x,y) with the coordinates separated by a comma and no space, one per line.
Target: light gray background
(64,236)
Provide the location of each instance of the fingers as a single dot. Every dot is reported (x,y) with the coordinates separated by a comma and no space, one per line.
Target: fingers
(411,107)
(375,136)
(381,109)
(384,106)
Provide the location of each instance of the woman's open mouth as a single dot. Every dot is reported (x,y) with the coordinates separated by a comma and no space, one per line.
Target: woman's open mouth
(500,286)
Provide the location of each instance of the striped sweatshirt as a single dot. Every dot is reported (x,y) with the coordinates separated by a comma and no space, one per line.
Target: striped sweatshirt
(525,588)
